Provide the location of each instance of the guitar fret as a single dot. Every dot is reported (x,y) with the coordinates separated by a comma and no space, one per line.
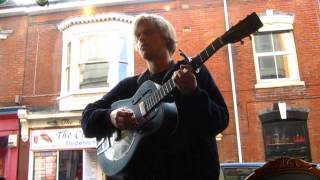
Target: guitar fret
(207,52)
(166,85)
(161,95)
(213,48)
(157,96)
(201,57)
(152,100)
(210,50)
(171,84)
(165,88)
(148,104)
(220,40)
(204,54)
(155,99)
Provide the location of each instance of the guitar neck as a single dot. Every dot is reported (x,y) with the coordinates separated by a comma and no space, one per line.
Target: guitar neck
(165,89)
(156,97)
(206,53)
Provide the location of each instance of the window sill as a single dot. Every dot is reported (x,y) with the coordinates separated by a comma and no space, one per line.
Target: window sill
(274,84)
(78,101)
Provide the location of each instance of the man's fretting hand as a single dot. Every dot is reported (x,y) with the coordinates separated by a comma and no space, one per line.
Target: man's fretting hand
(185,80)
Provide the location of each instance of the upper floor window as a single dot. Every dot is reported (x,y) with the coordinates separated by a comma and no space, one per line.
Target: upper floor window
(95,63)
(97,53)
(275,53)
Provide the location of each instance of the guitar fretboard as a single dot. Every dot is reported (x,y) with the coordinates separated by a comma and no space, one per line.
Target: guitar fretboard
(206,53)
(156,97)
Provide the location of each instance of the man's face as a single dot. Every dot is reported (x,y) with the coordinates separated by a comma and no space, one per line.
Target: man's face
(150,43)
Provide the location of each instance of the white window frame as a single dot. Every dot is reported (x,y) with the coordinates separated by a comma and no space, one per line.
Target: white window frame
(273,22)
(73,30)
(99,172)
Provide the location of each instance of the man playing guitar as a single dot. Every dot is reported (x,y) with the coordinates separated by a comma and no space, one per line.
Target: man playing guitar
(190,151)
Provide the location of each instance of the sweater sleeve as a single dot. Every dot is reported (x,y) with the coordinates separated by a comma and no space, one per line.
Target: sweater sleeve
(96,120)
(205,110)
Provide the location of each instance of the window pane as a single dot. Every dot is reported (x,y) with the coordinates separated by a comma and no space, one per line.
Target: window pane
(123,49)
(93,48)
(289,138)
(91,168)
(94,75)
(237,173)
(3,154)
(122,70)
(68,65)
(282,66)
(267,67)
(69,54)
(280,41)
(70,165)
(263,42)
(68,78)
(45,165)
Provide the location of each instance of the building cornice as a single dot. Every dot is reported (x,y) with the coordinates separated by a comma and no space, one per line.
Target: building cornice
(41,119)
(94,19)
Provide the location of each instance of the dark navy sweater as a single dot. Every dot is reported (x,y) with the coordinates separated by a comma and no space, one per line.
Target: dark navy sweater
(191,152)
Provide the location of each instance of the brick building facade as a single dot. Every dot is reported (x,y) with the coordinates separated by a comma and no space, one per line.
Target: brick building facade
(31,66)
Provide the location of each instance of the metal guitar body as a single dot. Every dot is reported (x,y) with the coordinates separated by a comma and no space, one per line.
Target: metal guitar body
(115,152)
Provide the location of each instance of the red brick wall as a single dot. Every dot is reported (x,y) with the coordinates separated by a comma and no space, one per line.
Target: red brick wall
(43,67)
(251,101)
(35,67)
(12,59)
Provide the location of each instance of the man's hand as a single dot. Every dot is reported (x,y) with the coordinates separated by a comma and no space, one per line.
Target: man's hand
(123,118)
(185,80)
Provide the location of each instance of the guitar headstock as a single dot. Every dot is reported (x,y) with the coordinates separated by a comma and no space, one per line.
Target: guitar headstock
(242,29)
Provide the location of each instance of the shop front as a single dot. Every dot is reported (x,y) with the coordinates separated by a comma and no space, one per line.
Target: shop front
(62,154)
(9,131)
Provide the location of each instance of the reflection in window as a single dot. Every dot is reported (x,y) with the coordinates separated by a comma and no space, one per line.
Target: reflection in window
(237,173)
(286,138)
(100,53)
(3,154)
(70,165)
(66,165)
(67,69)
(94,75)
(123,70)
(45,165)
(273,51)
(94,66)
(123,60)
